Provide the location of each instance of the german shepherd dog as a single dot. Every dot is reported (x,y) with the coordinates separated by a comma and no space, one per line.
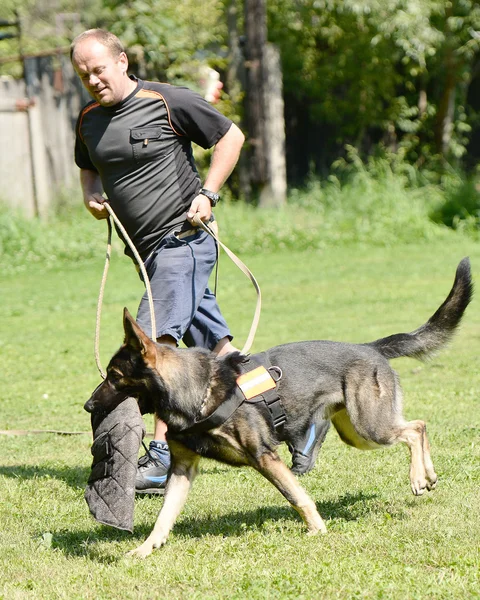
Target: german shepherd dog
(352,385)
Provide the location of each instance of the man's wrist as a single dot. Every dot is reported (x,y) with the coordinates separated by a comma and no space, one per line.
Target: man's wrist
(214,197)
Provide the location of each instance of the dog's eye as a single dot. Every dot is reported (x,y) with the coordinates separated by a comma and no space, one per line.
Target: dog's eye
(115,375)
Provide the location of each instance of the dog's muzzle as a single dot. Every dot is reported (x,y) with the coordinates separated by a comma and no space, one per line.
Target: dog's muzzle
(89,405)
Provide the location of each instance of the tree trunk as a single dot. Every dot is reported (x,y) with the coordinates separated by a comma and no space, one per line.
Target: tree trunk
(256,39)
(236,85)
(446,110)
(274,190)
(265,110)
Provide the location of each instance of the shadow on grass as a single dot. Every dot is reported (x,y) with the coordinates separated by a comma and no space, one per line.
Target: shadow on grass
(75,477)
(234,524)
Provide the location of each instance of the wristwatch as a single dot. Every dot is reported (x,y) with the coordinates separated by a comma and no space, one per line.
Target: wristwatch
(212,196)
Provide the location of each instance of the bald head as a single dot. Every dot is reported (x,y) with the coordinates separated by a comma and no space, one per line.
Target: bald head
(105,38)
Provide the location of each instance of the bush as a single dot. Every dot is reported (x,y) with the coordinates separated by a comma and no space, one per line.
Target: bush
(460,207)
(26,242)
(380,203)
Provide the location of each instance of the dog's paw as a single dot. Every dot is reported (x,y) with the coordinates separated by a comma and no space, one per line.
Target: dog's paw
(432,483)
(317,527)
(142,551)
(147,547)
(321,531)
(418,486)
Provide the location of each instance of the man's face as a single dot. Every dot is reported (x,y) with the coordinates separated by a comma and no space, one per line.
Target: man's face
(103,75)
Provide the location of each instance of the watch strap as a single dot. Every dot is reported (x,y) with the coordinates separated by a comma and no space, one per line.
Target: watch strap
(212,196)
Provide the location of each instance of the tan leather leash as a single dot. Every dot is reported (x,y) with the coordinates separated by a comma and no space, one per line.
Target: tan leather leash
(104,279)
(198,223)
(243,267)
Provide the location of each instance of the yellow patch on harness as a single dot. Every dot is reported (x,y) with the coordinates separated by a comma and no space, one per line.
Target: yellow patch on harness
(256,382)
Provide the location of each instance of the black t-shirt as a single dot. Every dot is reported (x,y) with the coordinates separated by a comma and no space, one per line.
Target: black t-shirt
(141,148)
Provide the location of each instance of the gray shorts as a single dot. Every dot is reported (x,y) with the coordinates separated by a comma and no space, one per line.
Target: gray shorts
(185,308)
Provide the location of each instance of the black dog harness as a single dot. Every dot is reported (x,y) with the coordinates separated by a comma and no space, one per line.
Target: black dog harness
(258,383)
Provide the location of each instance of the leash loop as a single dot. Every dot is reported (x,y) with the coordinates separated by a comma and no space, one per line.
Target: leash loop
(199,223)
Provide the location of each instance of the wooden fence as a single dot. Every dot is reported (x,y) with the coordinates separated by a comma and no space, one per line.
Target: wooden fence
(37,124)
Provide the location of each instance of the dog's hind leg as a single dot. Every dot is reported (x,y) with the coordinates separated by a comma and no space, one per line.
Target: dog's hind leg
(273,469)
(422,473)
(374,412)
(183,472)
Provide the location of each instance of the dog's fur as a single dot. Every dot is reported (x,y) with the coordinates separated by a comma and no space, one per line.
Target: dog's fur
(353,385)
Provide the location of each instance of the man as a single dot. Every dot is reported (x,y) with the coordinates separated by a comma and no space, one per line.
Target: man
(133,143)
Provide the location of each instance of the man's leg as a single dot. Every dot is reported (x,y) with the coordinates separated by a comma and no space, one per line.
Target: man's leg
(179,272)
(153,467)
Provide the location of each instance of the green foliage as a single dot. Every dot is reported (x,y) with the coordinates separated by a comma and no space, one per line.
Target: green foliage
(45,26)
(377,203)
(70,237)
(388,70)
(167,40)
(460,208)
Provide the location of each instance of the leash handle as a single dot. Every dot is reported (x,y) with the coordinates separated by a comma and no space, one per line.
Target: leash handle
(243,267)
(100,300)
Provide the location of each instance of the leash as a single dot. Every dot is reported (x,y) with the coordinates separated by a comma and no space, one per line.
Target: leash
(243,267)
(198,223)
(104,279)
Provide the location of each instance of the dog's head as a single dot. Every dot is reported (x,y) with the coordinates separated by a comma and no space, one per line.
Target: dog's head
(127,371)
(176,384)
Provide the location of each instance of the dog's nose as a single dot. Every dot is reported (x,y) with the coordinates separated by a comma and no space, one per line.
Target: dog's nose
(89,406)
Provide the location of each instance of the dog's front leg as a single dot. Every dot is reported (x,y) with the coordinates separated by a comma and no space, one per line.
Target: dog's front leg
(271,466)
(183,472)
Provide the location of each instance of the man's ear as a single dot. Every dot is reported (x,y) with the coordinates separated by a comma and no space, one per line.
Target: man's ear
(137,339)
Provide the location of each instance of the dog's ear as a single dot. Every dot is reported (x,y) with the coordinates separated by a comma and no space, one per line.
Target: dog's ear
(137,339)
(234,360)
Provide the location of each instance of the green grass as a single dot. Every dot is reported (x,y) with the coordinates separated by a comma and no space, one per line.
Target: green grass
(237,537)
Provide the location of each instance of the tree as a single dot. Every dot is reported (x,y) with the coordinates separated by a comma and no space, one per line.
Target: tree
(368,71)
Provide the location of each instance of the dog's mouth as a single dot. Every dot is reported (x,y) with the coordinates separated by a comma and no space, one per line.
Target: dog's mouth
(110,402)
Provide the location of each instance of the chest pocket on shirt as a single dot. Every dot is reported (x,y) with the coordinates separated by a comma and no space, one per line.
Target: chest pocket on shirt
(147,143)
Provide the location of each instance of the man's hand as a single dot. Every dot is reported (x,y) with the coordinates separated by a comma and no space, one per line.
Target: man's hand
(200,206)
(95,205)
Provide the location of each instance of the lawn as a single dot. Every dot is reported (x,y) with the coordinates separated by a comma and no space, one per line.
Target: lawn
(237,537)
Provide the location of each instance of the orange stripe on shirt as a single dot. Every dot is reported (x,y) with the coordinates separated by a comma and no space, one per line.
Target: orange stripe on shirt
(83,113)
(153,94)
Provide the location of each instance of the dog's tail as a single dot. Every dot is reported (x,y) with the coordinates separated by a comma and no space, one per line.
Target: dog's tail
(439,329)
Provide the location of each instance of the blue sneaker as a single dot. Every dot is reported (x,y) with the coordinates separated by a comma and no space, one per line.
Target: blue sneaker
(152,470)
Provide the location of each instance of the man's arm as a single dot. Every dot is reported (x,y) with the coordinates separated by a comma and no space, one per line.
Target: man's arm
(224,158)
(93,193)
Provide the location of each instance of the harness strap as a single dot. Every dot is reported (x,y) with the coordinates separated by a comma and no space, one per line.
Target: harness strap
(269,395)
(221,414)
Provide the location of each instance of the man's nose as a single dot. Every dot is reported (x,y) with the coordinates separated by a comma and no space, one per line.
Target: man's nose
(93,80)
